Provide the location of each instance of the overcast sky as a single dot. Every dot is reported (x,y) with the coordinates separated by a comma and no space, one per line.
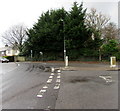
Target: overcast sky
(14,12)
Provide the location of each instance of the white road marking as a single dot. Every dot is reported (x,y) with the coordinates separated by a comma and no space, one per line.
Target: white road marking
(58,77)
(45,87)
(58,80)
(49,81)
(105,77)
(59,74)
(42,90)
(102,77)
(51,77)
(57,86)
(52,74)
(58,70)
(40,95)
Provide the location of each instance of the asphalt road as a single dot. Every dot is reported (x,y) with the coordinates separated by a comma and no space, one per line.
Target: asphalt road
(34,86)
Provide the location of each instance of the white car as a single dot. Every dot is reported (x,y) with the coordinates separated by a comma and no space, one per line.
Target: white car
(2,59)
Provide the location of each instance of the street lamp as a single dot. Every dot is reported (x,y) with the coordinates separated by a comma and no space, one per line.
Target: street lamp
(64,38)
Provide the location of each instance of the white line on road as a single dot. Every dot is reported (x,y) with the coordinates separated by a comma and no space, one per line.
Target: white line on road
(40,95)
(58,80)
(45,87)
(49,80)
(51,77)
(107,78)
(59,71)
(58,77)
(42,90)
(57,86)
(52,74)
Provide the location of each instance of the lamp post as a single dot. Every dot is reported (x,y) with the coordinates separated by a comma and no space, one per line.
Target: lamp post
(64,38)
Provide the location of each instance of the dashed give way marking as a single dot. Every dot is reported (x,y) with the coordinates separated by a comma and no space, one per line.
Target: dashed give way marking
(49,80)
(58,80)
(58,77)
(45,87)
(40,95)
(42,91)
(57,86)
(51,77)
(52,74)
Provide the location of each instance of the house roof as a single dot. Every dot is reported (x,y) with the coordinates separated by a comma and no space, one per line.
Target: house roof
(4,48)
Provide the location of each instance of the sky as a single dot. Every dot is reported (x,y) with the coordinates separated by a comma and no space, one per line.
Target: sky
(27,12)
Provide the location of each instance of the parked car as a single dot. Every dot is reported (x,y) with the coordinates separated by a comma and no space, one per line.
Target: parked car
(2,59)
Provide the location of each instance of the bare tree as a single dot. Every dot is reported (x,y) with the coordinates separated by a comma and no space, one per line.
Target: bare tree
(15,36)
(110,31)
(96,20)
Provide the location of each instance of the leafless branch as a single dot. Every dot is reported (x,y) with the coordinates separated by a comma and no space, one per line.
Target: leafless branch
(15,36)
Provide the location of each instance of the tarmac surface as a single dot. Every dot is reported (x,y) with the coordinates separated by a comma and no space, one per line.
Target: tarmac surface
(80,86)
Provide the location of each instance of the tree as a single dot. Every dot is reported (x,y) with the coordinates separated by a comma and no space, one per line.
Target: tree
(47,34)
(77,32)
(109,32)
(96,21)
(110,48)
(15,36)
(53,27)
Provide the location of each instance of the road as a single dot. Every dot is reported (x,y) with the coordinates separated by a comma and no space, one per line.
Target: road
(34,86)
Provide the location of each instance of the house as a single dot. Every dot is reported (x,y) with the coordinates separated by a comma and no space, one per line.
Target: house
(8,51)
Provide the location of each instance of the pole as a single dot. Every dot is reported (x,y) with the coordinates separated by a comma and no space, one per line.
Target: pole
(66,61)
(31,54)
(64,40)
